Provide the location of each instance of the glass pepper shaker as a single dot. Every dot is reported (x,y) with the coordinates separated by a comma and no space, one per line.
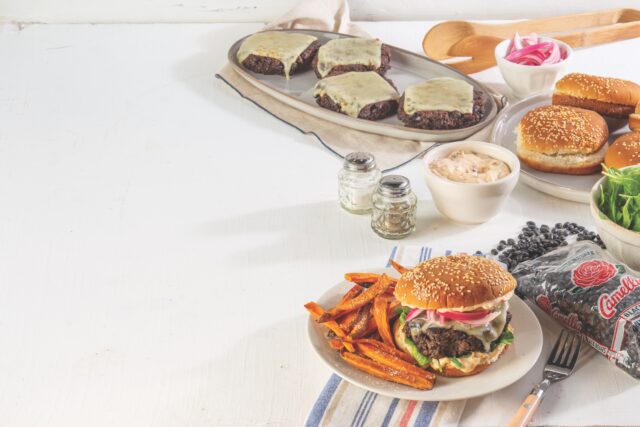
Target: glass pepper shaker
(358,180)
(394,208)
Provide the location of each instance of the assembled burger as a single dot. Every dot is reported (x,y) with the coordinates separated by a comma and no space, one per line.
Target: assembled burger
(455,316)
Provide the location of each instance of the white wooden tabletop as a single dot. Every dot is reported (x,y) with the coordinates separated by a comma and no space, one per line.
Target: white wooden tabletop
(159,236)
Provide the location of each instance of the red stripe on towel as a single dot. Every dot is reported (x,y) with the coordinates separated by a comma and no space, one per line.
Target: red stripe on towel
(404,421)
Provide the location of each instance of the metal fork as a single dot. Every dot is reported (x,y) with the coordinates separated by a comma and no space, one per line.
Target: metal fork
(560,365)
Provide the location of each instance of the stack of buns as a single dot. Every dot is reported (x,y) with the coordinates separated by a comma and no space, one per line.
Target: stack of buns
(571,135)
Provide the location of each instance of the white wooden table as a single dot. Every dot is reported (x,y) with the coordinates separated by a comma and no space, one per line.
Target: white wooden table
(158,237)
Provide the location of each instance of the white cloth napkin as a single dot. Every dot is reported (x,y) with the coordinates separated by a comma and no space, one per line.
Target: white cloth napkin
(343,404)
(325,15)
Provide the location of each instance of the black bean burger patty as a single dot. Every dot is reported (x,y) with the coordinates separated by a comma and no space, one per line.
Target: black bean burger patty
(375,111)
(385,59)
(442,120)
(267,65)
(440,342)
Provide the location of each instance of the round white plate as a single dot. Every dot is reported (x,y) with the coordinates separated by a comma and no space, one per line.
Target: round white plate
(576,188)
(513,365)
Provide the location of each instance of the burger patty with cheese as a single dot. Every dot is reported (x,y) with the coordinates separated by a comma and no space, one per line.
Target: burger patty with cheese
(455,316)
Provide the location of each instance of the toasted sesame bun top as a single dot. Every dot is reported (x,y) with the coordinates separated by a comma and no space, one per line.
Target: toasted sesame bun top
(625,151)
(454,282)
(606,89)
(557,129)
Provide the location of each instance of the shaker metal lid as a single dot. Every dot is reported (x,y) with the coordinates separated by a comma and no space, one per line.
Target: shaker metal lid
(394,185)
(359,162)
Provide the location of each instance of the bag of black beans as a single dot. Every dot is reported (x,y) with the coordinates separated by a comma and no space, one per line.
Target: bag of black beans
(581,286)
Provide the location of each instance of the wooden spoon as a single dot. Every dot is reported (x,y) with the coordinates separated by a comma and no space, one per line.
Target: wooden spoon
(480,47)
(439,40)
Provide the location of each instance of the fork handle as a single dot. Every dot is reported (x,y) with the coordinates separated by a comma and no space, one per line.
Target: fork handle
(525,413)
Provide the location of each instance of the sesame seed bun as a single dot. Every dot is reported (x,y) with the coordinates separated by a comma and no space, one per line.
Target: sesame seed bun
(605,95)
(454,282)
(561,139)
(625,151)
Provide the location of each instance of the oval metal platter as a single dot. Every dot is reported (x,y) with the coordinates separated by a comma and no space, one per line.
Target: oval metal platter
(407,68)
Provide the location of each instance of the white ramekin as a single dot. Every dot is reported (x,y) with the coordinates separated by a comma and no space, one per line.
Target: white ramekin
(622,243)
(528,80)
(471,203)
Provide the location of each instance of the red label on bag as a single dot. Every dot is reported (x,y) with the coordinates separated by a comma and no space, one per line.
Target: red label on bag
(593,273)
(607,302)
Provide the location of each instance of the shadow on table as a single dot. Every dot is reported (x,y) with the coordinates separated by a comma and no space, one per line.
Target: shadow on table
(318,231)
(198,71)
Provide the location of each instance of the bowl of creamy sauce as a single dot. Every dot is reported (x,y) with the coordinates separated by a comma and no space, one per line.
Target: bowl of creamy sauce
(470,167)
(470,181)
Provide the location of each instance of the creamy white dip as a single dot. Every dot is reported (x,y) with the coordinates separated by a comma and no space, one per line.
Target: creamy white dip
(469,167)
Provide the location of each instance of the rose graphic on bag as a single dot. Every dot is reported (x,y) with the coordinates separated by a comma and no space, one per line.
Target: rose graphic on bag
(593,273)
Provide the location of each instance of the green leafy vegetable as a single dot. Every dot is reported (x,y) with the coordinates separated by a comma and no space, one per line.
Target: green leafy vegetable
(506,337)
(402,310)
(456,362)
(413,349)
(619,197)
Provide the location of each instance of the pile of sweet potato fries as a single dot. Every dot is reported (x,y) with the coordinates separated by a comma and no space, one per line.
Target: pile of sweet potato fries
(360,328)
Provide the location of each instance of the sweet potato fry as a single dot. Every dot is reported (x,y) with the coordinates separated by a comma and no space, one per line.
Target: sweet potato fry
(399,268)
(384,372)
(336,344)
(366,278)
(379,311)
(316,311)
(351,293)
(388,349)
(355,303)
(362,322)
(392,361)
(348,321)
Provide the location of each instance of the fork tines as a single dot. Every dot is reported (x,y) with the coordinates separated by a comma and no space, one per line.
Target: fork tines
(565,351)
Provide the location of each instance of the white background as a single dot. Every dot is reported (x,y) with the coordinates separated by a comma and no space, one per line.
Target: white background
(159,237)
(65,11)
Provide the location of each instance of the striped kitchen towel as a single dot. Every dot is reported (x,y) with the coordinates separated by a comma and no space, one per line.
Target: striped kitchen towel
(343,404)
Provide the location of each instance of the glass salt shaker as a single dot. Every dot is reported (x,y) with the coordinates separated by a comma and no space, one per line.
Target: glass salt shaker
(358,180)
(394,208)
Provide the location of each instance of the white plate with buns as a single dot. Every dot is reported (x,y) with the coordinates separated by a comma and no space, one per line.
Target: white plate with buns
(575,188)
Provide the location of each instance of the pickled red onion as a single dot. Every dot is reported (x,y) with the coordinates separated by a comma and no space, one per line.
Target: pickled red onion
(532,50)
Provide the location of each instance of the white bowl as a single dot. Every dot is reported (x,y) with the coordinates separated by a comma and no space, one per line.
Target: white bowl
(528,80)
(622,243)
(471,203)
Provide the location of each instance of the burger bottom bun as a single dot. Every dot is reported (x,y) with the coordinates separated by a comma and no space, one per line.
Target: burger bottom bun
(448,371)
(571,164)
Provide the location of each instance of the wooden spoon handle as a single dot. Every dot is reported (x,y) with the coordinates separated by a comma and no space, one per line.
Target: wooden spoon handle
(553,24)
(606,34)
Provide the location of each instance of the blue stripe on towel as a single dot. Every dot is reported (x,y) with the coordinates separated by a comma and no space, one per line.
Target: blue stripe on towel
(392,409)
(365,413)
(426,413)
(323,401)
(363,404)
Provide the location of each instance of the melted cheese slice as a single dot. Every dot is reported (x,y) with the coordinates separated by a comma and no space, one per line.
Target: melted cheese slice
(349,51)
(444,93)
(281,45)
(353,91)
(485,333)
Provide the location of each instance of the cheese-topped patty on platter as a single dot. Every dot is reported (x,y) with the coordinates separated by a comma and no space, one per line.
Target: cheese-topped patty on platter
(278,52)
(441,103)
(365,95)
(340,56)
